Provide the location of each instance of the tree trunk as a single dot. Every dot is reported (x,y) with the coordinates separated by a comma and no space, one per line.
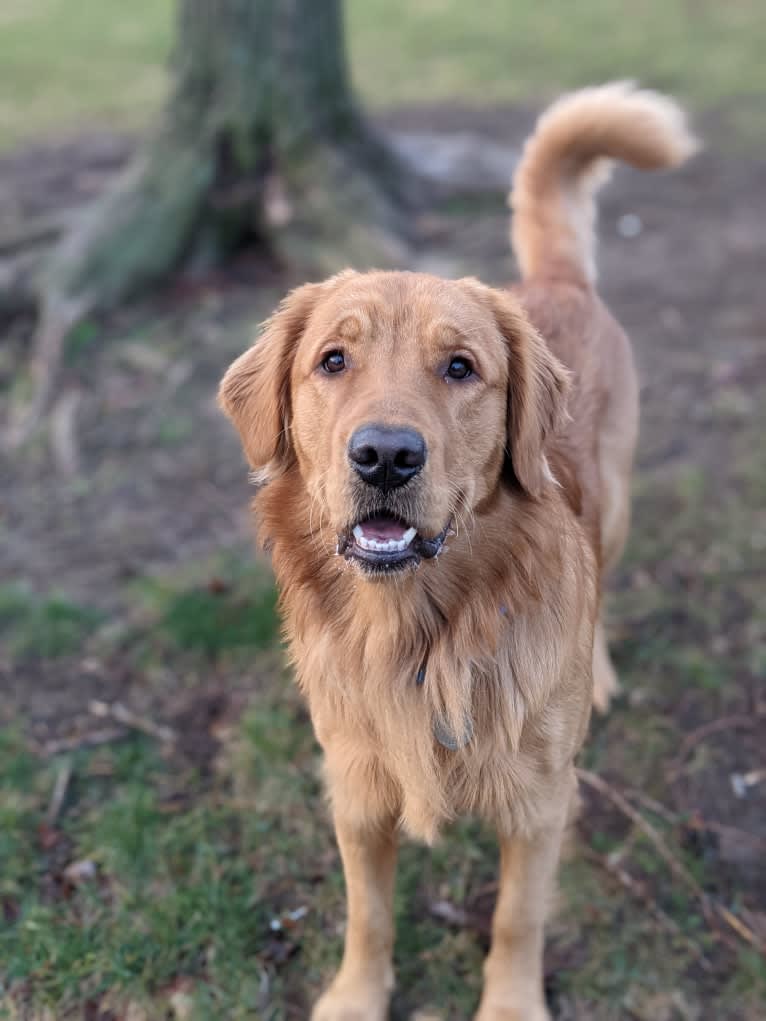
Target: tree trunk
(261,140)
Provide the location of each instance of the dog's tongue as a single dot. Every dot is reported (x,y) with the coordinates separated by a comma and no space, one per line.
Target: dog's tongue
(383,529)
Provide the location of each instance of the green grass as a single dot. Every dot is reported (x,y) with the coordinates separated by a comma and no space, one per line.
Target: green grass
(64,64)
(173,893)
(215,615)
(189,878)
(36,627)
(500,51)
(216,610)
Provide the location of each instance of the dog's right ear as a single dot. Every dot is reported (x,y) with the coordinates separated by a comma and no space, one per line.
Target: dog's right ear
(255,392)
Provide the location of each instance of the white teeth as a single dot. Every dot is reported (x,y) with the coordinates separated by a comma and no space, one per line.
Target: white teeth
(383,546)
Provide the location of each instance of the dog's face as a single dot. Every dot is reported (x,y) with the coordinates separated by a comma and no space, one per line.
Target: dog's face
(399,396)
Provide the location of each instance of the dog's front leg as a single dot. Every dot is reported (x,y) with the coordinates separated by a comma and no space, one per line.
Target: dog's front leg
(513,971)
(362,987)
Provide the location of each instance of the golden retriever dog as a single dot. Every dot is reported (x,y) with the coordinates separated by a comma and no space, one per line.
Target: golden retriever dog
(444,476)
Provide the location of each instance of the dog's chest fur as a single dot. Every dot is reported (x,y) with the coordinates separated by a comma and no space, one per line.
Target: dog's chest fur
(387,700)
(505,633)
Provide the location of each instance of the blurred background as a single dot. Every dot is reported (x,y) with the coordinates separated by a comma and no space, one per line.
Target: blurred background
(164,849)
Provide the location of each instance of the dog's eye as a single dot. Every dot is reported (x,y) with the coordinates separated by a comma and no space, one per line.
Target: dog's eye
(459,368)
(334,362)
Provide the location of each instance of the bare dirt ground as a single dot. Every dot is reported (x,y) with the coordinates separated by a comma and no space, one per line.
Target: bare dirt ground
(144,481)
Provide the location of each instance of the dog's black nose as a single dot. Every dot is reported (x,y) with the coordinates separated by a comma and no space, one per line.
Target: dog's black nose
(386,456)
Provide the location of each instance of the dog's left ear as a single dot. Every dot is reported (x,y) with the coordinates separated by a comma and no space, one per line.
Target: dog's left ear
(537,389)
(255,392)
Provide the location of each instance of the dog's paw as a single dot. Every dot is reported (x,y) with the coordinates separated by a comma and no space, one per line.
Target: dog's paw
(497,1012)
(352,1003)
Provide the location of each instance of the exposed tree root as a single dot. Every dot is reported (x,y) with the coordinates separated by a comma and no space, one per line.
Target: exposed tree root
(260,95)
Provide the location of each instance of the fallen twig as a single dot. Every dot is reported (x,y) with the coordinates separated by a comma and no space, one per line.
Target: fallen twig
(56,320)
(64,445)
(641,893)
(60,787)
(700,824)
(710,908)
(122,714)
(597,783)
(694,737)
(90,739)
(653,805)
(616,856)
(739,927)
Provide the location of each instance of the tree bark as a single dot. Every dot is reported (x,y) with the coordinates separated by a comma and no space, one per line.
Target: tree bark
(261,140)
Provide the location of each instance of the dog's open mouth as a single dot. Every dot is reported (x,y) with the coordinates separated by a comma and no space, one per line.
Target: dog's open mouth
(384,542)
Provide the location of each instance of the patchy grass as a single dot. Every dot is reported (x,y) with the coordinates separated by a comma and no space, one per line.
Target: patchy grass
(216,610)
(36,627)
(221,609)
(169,894)
(64,64)
(189,874)
(443,49)
(188,880)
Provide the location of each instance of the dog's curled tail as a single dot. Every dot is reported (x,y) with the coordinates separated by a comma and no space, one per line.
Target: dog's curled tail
(570,155)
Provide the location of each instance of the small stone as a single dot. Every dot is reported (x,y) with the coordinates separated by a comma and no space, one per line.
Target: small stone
(182,1005)
(629,225)
(80,871)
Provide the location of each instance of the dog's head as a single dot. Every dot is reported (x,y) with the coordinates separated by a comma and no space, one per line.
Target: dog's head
(399,397)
